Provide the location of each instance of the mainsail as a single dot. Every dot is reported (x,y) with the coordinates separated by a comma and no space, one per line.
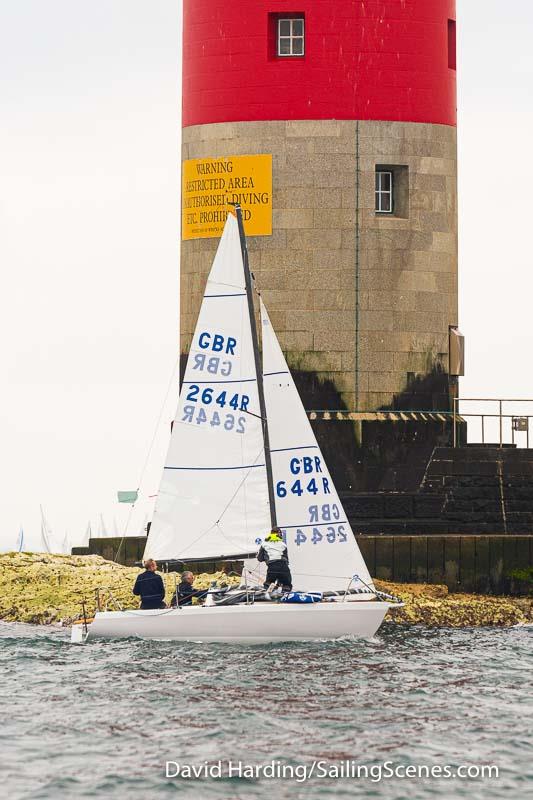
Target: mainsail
(213,497)
(323,553)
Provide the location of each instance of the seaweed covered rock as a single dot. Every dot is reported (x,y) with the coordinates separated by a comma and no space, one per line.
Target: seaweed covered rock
(43,589)
(433,606)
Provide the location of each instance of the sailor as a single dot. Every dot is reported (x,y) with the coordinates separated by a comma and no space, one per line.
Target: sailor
(274,553)
(150,587)
(186,591)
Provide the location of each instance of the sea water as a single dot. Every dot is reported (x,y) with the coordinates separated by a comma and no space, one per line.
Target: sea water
(113,719)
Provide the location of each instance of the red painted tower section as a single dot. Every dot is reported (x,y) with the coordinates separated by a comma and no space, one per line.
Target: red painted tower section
(364,59)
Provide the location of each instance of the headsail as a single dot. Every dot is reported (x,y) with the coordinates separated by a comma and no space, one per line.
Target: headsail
(323,553)
(213,497)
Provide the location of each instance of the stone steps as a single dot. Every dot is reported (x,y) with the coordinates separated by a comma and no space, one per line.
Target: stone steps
(467,490)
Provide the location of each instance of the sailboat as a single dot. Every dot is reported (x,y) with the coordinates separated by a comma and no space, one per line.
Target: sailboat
(102,533)
(242,459)
(87,535)
(46,534)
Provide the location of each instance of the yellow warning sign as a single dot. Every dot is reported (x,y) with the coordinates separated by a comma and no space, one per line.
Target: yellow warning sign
(211,184)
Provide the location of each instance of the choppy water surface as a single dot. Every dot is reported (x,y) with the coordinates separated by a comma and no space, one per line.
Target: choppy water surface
(100,720)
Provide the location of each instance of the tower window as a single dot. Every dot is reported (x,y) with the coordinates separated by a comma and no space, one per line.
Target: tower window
(392,190)
(291,36)
(452,55)
(384,196)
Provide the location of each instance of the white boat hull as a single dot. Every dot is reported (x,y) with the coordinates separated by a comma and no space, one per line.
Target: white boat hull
(250,624)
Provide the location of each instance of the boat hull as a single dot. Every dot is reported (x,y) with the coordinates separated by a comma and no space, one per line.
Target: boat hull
(251,624)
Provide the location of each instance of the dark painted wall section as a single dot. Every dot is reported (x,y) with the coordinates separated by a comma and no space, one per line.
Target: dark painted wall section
(474,564)
(382,455)
(478,564)
(429,392)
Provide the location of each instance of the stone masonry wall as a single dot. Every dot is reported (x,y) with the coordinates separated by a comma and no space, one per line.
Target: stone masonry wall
(344,287)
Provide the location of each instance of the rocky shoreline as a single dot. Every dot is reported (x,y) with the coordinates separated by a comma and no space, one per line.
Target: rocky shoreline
(49,589)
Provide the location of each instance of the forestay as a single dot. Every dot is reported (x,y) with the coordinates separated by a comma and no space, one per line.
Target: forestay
(213,497)
(323,553)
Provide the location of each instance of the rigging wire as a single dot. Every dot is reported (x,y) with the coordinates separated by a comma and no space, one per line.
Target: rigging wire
(149,453)
(221,283)
(230,501)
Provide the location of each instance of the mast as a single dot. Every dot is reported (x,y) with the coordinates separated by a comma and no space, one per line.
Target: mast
(258,367)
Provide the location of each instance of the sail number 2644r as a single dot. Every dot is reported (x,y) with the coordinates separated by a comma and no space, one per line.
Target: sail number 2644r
(208,397)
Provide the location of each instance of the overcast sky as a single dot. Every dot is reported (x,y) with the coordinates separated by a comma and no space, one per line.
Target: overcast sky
(89,250)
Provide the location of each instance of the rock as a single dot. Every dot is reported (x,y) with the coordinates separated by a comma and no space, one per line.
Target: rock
(44,589)
(434,606)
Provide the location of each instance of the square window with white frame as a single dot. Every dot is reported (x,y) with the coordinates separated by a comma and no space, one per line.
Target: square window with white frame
(291,37)
(384,192)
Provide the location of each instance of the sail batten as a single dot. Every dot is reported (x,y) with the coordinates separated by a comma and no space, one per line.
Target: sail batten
(214,469)
(212,296)
(238,380)
(296,447)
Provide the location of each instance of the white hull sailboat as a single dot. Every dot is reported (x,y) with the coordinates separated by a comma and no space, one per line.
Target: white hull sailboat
(243,458)
(257,623)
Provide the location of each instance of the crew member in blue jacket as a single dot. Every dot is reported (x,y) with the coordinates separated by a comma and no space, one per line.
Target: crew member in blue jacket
(150,587)
(186,591)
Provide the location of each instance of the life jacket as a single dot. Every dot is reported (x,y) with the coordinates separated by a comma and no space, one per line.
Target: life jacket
(276,551)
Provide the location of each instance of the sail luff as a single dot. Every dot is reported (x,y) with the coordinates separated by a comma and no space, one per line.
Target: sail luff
(258,367)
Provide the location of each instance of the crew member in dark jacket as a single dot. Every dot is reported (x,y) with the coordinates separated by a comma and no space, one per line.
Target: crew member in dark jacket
(186,591)
(274,553)
(150,587)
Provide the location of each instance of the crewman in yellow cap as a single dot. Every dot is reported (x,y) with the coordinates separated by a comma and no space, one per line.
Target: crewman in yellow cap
(274,553)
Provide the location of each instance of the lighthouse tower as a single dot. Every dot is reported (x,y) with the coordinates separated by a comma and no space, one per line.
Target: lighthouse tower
(333,122)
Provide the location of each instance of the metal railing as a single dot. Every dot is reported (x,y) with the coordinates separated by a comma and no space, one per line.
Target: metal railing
(518,422)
